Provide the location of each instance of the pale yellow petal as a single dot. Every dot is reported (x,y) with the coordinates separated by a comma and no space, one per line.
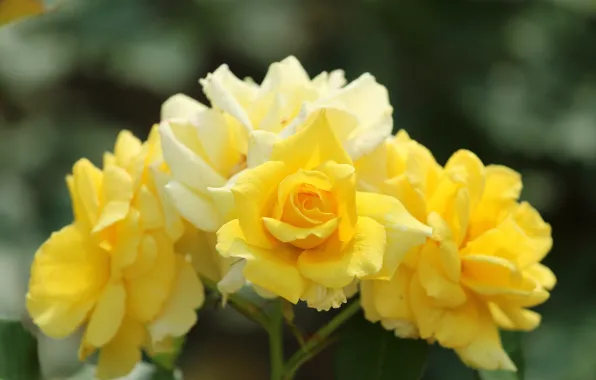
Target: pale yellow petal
(180,106)
(173,222)
(197,208)
(333,267)
(188,166)
(366,98)
(229,94)
(218,141)
(260,147)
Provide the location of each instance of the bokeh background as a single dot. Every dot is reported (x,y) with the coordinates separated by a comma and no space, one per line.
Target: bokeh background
(512,80)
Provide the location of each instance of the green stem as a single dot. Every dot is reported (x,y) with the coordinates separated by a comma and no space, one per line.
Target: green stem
(319,341)
(244,307)
(276,350)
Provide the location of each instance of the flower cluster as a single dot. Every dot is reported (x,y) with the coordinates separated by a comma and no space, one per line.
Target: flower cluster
(115,271)
(296,188)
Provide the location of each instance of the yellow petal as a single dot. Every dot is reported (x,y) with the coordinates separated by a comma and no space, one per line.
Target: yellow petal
(147,293)
(427,316)
(226,236)
(344,185)
(436,284)
(448,249)
(180,106)
(288,185)
(148,205)
(67,276)
(458,327)
(178,314)
(536,229)
(145,259)
(499,279)
(195,207)
(128,235)
(117,194)
(313,145)
(403,231)
(274,270)
(514,318)
(120,356)
(87,181)
(186,157)
(305,238)
(486,351)
(411,197)
(254,194)
(466,168)
(372,169)
(126,149)
(107,316)
(506,241)
(501,191)
(332,267)
(542,275)
(367,300)
(392,297)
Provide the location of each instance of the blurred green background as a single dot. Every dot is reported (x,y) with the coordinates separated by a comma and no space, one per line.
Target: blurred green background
(512,80)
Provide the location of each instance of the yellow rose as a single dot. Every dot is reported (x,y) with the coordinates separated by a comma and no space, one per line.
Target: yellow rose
(205,147)
(303,232)
(114,271)
(480,271)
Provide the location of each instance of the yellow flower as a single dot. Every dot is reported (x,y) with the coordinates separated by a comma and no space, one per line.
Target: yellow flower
(304,232)
(205,147)
(114,271)
(480,270)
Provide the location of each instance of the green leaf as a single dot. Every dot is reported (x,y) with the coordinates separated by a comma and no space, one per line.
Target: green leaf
(367,351)
(18,352)
(512,343)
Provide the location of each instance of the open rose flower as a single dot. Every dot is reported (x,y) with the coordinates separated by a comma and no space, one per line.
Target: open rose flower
(303,232)
(481,269)
(206,147)
(114,271)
